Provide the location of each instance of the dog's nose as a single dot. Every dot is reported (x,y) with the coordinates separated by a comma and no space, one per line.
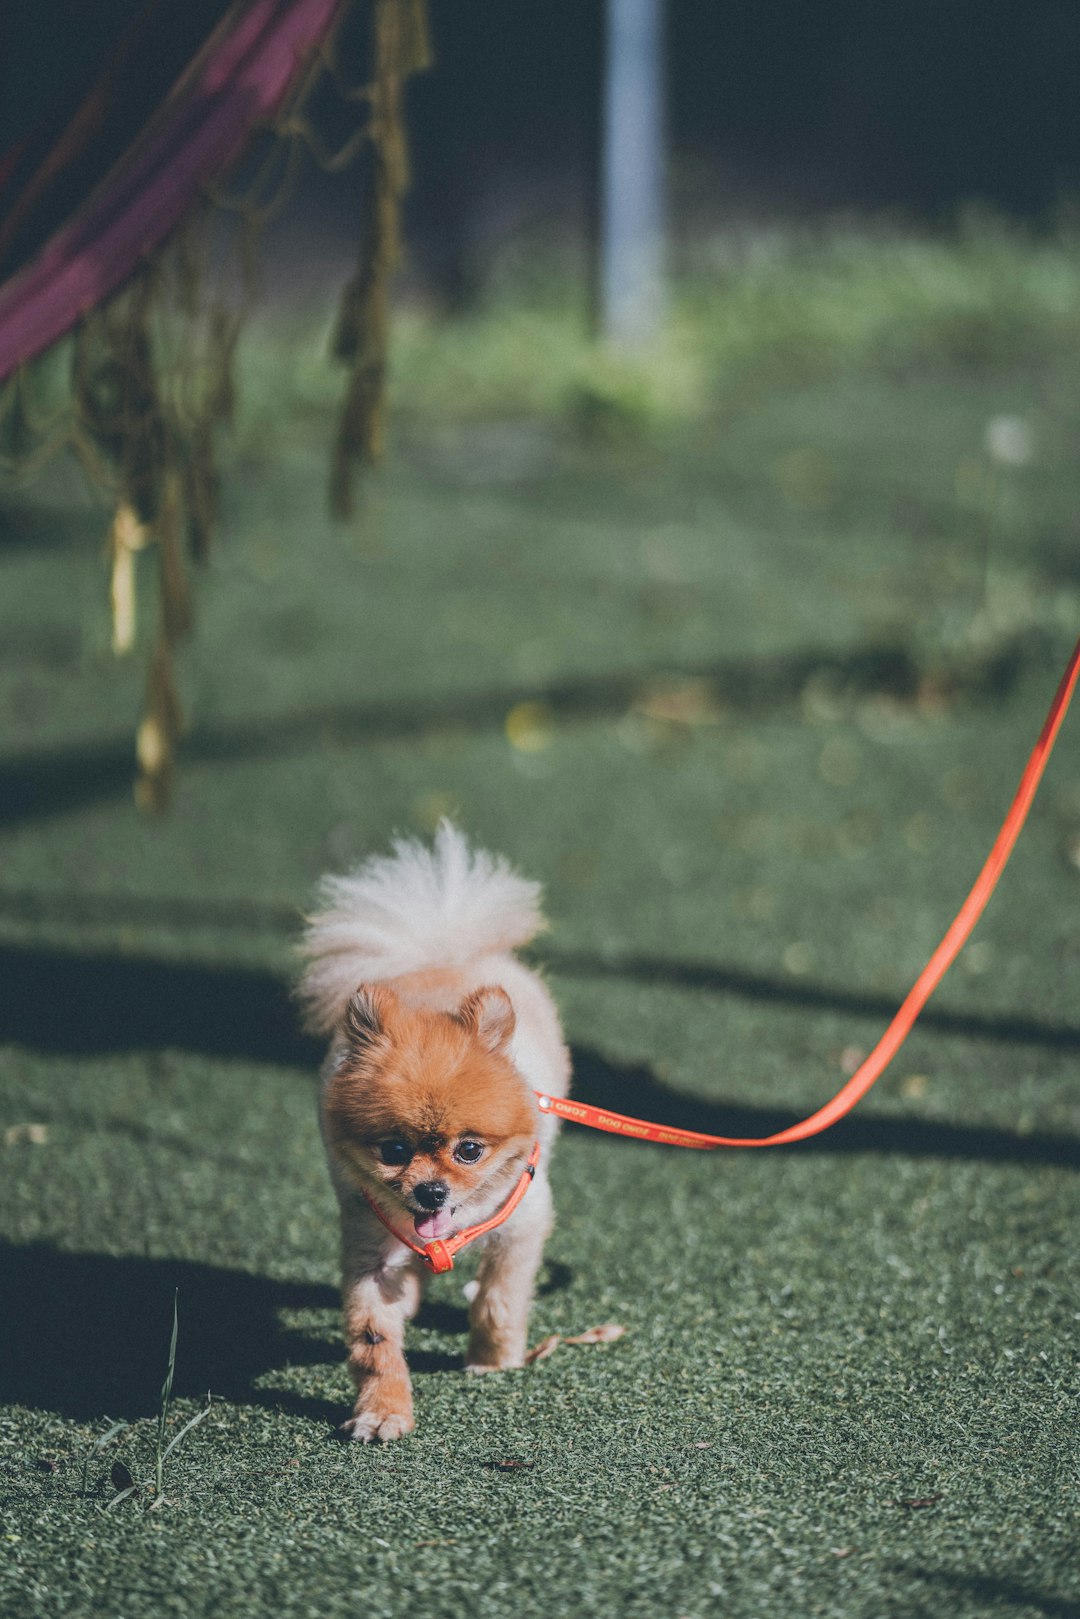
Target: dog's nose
(431,1194)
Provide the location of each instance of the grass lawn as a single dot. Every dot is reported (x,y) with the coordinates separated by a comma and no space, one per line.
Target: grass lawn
(750,690)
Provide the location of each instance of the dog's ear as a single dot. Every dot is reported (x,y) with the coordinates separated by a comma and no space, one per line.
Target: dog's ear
(367,1015)
(488,1014)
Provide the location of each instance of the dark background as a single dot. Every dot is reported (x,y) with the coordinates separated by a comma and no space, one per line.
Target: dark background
(786,106)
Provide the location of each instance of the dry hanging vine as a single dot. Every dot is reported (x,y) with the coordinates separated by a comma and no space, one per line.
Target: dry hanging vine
(362,338)
(152,371)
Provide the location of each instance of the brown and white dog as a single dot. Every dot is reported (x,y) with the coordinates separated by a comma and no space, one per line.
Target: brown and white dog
(438,1038)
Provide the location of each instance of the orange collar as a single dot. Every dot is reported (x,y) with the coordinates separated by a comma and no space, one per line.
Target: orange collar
(438,1255)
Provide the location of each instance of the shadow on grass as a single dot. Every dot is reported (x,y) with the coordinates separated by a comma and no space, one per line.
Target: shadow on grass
(37,784)
(87,1335)
(76,1005)
(1007,1029)
(999,1593)
(637,1091)
(83,1005)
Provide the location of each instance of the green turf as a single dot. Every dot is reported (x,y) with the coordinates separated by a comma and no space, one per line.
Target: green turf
(785,661)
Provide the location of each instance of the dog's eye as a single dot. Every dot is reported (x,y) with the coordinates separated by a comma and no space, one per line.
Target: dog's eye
(467,1152)
(394,1152)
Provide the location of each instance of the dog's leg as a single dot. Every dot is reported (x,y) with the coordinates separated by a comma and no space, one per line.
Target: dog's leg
(378,1300)
(499,1316)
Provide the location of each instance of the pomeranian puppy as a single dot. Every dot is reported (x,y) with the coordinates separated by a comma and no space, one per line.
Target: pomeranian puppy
(439,1037)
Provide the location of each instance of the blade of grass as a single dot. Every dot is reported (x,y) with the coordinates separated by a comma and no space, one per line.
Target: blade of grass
(199,1416)
(110,1433)
(166,1398)
(123,1495)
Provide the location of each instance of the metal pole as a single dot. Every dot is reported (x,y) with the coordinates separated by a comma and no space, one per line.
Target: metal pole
(632,189)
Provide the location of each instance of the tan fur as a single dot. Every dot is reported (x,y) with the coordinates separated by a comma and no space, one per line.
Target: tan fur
(439,1037)
(375,1314)
(431,1058)
(429,1079)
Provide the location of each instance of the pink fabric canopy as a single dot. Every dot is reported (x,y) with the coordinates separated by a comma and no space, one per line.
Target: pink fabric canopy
(242,77)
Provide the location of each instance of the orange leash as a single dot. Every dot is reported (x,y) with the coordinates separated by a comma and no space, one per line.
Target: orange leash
(922,989)
(438,1255)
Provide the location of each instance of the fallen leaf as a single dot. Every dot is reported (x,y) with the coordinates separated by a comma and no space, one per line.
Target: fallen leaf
(841,1551)
(546,1347)
(606,1334)
(510,1464)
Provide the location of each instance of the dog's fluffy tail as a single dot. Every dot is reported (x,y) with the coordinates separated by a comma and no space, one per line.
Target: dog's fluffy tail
(416,908)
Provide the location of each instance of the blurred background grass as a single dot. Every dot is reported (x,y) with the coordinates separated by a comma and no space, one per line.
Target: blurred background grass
(751,307)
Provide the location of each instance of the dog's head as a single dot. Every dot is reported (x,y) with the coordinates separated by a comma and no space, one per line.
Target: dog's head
(426,1112)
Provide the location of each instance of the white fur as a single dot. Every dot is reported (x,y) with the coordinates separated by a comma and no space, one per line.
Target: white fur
(417,908)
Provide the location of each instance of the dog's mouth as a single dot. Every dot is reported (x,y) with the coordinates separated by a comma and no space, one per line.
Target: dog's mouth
(433,1224)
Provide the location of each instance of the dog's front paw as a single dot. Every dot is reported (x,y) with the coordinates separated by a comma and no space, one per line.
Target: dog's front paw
(477,1362)
(375,1428)
(379,1416)
(493,1351)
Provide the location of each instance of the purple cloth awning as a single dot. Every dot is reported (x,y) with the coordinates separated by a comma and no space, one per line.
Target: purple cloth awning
(240,79)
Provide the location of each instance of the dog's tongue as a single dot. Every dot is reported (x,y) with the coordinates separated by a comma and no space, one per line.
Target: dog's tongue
(436,1224)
